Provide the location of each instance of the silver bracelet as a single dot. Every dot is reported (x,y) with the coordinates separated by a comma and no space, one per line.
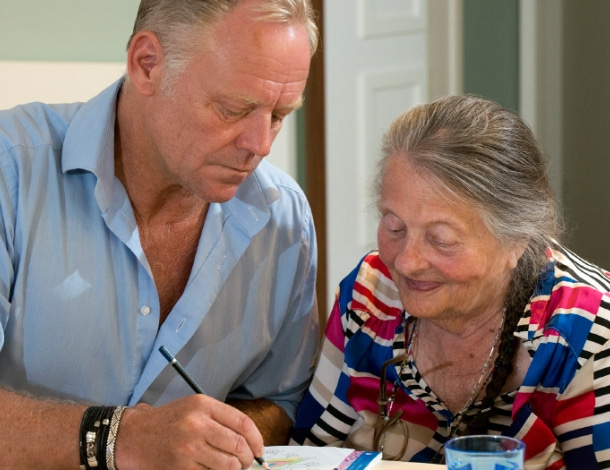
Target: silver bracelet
(112,433)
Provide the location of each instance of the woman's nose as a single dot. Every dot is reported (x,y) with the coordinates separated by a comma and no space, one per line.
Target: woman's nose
(411,258)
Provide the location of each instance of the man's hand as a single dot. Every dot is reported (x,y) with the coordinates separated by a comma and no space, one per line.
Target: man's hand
(190,433)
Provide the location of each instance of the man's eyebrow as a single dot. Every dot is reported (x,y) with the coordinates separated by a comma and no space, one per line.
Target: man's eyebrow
(254,102)
(298,103)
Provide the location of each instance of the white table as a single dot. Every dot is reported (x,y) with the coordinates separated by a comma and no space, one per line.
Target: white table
(389,465)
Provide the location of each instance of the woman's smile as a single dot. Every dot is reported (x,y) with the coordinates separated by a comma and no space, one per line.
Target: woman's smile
(423,286)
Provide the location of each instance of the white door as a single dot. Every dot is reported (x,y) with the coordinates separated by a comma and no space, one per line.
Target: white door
(376,66)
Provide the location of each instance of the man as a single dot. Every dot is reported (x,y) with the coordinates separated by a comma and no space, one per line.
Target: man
(146,218)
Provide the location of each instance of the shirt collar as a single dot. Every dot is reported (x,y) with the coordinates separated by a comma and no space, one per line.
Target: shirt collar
(538,310)
(89,142)
(250,205)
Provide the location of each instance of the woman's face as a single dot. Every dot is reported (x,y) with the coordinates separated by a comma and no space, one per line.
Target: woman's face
(445,262)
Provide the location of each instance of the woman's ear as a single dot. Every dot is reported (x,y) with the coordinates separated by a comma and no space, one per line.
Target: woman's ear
(145,62)
(516,253)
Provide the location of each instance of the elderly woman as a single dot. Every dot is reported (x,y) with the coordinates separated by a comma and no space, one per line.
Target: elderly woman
(470,318)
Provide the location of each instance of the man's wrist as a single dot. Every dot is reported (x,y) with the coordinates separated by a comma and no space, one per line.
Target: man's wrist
(98,431)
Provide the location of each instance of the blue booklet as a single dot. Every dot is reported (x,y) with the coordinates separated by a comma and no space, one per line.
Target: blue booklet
(359,460)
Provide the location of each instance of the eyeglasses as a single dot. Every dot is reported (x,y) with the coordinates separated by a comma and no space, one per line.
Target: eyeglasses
(385,419)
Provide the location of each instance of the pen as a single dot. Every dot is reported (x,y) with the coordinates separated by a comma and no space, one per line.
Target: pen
(185,375)
(196,388)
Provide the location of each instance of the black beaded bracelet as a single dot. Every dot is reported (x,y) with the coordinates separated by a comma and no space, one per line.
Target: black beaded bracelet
(94,430)
(87,439)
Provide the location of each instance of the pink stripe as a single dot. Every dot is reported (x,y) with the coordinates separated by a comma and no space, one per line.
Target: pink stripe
(334,328)
(582,297)
(541,402)
(364,392)
(566,298)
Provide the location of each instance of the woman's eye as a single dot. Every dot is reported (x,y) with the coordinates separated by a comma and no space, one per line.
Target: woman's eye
(443,244)
(393,224)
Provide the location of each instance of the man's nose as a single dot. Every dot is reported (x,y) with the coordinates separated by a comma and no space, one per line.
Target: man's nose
(257,135)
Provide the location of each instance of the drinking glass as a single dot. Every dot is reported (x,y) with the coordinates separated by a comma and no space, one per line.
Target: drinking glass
(484,453)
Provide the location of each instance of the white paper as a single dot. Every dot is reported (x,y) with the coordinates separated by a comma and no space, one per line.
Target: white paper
(303,457)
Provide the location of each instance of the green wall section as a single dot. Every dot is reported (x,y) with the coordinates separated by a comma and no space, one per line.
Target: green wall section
(65,30)
(491,50)
(586,127)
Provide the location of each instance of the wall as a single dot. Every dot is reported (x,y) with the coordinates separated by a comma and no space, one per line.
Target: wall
(491,50)
(586,127)
(65,30)
(61,51)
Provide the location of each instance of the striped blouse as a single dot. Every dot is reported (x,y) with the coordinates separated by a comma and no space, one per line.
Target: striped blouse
(561,411)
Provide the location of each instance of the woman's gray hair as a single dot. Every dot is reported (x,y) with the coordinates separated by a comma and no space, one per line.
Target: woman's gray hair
(180,24)
(485,155)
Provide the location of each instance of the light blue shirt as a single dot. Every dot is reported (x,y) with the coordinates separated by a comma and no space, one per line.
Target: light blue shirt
(79,310)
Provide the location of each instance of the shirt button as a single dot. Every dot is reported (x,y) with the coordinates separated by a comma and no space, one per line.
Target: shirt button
(145,310)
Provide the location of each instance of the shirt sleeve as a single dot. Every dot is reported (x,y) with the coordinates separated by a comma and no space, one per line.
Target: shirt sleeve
(7,229)
(581,416)
(295,347)
(562,409)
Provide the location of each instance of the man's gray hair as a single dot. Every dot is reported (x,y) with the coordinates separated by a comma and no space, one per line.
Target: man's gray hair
(180,24)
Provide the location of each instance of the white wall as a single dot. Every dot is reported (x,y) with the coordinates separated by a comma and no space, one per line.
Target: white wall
(54,82)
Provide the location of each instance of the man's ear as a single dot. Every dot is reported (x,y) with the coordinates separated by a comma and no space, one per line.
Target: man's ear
(144,62)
